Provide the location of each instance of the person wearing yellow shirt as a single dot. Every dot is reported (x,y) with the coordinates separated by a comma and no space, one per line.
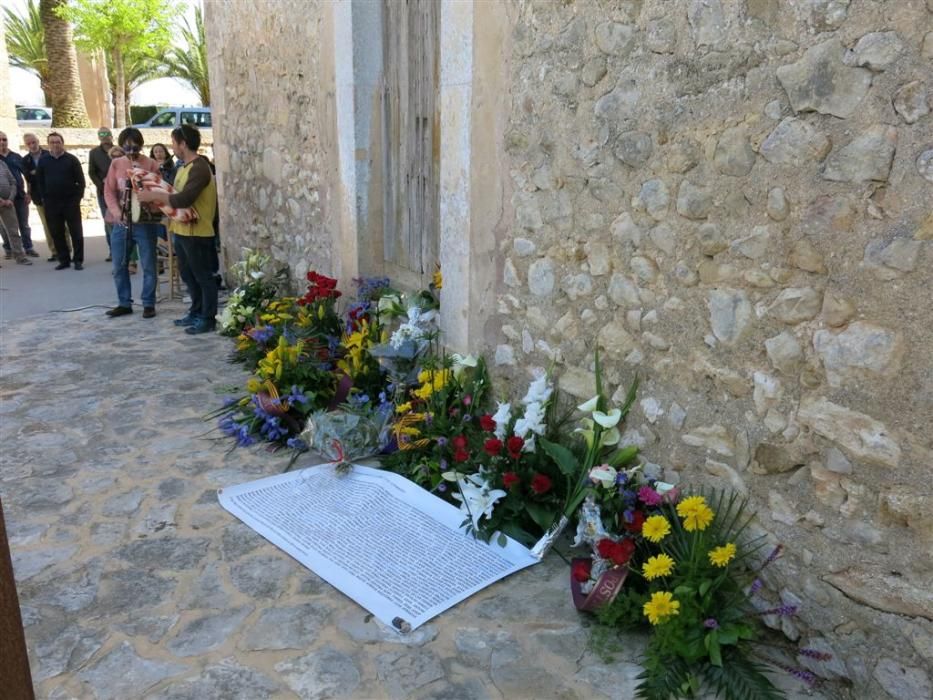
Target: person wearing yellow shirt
(195,187)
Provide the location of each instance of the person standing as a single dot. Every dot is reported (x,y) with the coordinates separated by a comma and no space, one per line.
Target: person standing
(30,163)
(98,163)
(9,224)
(167,167)
(195,187)
(126,230)
(14,161)
(61,186)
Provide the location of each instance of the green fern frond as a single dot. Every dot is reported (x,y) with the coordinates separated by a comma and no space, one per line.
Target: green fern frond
(740,678)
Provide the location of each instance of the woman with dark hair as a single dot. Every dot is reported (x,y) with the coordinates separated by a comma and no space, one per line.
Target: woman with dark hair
(167,166)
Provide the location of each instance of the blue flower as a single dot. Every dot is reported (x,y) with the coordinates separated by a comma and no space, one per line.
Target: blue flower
(244,439)
(297,444)
(441,441)
(296,396)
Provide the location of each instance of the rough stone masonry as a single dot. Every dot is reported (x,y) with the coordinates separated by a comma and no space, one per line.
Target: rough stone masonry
(734,200)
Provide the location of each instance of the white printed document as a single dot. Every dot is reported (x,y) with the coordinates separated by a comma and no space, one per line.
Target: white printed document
(385,542)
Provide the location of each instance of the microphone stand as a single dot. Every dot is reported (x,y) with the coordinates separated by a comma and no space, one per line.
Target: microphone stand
(128,218)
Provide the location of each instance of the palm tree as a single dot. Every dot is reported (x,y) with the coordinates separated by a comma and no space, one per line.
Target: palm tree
(64,83)
(189,64)
(25,43)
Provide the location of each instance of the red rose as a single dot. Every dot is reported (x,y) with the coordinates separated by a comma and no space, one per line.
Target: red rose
(487,423)
(509,479)
(580,570)
(616,552)
(540,484)
(459,443)
(493,447)
(638,519)
(461,456)
(515,445)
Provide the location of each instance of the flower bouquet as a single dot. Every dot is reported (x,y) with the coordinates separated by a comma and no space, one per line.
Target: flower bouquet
(257,281)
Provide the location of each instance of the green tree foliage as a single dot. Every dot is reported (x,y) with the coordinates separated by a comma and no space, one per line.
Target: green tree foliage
(25,43)
(64,80)
(138,68)
(121,28)
(188,63)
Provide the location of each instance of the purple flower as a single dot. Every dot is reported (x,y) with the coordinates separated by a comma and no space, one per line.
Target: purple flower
(296,396)
(711,624)
(442,487)
(467,417)
(649,496)
(621,478)
(628,516)
(814,654)
(297,444)
(443,464)
(805,676)
(774,555)
(781,611)
(442,441)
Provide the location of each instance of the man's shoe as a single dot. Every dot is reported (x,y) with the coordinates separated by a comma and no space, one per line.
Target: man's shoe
(186,320)
(79,266)
(108,259)
(52,258)
(7,254)
(120,311)
(200,326)
(149,312)
(62,266)
(23,261)
(32,253)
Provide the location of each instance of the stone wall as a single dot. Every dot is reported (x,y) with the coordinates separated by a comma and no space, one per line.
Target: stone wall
(272,93)
(733,200)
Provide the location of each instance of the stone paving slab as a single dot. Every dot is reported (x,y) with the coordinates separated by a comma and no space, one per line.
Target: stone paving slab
(135,583)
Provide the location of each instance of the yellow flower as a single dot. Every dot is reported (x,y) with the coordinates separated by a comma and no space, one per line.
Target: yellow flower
(403,407)
(722,555)
(278,358)
(661,606)
(696,514)
(253,385)
(431,382)
(660,565)
(656,528)
(438,279)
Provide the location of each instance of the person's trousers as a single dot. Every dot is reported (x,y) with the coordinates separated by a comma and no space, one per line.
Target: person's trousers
(47,231)
(9,230)
(62,213)
(144,237)
(22,214)
(108,228)
(195,261)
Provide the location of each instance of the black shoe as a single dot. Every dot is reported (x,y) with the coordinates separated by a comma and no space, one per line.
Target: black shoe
(62,266)
(186,320)
(108,259)
(32,253)
(120,311)
(52,258)
(149,312)
(79,266)
(199,326)
(7,255)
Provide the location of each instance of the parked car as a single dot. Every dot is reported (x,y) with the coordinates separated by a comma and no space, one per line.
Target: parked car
(34,116)
(172,117)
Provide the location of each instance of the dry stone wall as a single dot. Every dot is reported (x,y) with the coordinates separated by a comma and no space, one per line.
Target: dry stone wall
(734,200)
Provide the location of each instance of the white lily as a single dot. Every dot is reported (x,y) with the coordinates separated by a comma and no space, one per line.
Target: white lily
(502,416)
(257,274)
(590,405)
(662,487)
(461,362)
(604,475)
(608,420)
(477,499)
(610,437)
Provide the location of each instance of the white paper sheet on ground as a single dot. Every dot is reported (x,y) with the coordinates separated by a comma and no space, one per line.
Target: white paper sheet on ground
(385,542)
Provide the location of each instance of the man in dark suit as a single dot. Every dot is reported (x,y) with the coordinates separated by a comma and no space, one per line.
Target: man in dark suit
(61,185)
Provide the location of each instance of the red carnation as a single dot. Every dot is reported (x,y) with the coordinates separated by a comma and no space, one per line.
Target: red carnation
(487,423)
(617,552)
(459,443)
(493,447)
(638,519)
(461,456)
(515,445)
(540,484)
(510,479)
(580,570)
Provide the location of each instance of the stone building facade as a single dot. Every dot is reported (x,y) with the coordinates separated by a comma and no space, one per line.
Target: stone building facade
(733,199)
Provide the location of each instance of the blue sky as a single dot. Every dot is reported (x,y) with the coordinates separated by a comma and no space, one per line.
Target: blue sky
(25,87)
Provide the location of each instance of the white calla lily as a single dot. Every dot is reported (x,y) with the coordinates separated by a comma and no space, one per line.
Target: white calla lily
(590,405)
(611,437)
(608,420)
(604,475)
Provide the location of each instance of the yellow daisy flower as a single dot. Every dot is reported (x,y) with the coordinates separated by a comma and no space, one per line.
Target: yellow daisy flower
(660,565)
(721,556)
(696,514)
(661,606)
(656,528)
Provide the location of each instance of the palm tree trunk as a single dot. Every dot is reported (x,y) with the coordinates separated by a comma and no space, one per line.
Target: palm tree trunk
(119,80)
(67,99)
(126,101)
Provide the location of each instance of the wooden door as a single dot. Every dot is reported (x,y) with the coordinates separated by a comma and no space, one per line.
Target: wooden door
(412,139)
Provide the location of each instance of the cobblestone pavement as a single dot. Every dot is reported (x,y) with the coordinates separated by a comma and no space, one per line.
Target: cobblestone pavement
(135,583)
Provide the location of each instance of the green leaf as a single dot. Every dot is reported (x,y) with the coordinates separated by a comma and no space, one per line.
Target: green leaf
(502,540)
(728,636)
(704,587)
(561,455)
(623,456)
(715,657)
(542,516)
(683,591)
